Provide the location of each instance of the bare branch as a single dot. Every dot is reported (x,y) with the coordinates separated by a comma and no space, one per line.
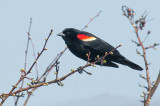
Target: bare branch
(153,46)
(91,19)
(135,42)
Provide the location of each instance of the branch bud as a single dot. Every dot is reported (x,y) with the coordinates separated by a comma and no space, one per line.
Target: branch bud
(13,94)
(104,61)
(72,69)
(22,70)
(133,25)
(45,49)
(28,84)
(140,17)
(86,54)
(61,84)
(93,65)
(123,14)
(55,72)
(14,86)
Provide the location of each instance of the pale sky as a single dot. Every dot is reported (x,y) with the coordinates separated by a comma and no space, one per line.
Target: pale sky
(107,86)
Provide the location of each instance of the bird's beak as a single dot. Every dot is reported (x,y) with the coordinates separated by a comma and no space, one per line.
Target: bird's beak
(61,34)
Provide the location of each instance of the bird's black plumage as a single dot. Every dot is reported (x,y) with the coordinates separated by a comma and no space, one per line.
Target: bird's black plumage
(80,43)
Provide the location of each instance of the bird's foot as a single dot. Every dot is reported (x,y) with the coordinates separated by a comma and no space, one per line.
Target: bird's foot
(80,70)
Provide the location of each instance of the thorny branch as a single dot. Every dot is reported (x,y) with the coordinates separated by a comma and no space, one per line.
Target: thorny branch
(139,25)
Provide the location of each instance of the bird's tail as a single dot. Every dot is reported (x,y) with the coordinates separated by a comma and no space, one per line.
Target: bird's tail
(128,63)
(132,65)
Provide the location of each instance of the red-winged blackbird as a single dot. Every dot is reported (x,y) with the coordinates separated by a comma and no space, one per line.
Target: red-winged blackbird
(80,43)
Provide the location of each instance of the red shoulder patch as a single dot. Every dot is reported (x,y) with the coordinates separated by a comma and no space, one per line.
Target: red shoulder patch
(84,37)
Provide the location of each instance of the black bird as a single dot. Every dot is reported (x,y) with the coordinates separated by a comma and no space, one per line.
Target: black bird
(80,43)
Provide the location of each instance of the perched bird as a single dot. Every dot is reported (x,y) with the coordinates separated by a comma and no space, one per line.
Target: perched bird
(80,43)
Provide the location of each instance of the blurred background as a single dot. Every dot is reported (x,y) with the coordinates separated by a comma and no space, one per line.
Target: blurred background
(107,86)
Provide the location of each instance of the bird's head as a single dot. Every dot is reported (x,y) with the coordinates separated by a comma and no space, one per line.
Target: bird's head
(69,34)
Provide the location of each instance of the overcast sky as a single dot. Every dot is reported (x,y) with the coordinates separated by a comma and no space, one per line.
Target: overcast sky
(107,86)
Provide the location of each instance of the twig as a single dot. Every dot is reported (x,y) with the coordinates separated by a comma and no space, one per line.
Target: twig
(146,36)
(26,54)
(57,72)
(91,19)
(139,53)
(44,48)
(52,64)
(153,46)
(135,42)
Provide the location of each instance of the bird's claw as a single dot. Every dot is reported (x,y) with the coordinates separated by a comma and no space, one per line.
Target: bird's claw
(80,70)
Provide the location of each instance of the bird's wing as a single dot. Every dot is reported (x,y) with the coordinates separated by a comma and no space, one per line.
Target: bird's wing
(100,46)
